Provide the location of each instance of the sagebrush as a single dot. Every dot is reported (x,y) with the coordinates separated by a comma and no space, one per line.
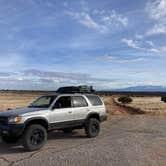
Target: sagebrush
(163,98)
(125,99)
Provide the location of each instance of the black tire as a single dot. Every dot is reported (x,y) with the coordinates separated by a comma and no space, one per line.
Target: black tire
(10,140)
(34,138)
(67,130)
(92,127)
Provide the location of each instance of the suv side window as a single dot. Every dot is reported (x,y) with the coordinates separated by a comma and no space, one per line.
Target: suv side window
(95,100)
(79,101)
(63,102)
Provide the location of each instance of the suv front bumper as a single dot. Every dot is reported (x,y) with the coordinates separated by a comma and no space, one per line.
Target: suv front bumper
(11,129)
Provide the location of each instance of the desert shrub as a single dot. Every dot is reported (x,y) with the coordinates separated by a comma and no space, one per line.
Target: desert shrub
(163,98)
(125,99)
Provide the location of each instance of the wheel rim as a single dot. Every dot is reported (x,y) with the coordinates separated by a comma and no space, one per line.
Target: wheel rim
(37,137)
(94,128)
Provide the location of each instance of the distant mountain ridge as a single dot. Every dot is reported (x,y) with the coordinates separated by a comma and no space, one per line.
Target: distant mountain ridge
(145,88)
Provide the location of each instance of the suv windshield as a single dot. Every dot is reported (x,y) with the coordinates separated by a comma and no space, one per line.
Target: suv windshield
(43,102)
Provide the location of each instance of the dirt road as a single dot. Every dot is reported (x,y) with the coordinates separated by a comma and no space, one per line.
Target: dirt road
(137,140)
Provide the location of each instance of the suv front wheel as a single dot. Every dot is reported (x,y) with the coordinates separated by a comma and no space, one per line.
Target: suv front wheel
(34,138)
(92,127)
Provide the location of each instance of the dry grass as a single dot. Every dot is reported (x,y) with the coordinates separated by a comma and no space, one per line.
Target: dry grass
(107,102)
(12,100)
(152,105)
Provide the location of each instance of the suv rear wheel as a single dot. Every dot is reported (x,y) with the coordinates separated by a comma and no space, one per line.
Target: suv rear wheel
(92,127)
(34,137)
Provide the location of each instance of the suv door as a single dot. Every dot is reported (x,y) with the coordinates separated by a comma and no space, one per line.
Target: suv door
(62,110)
(80,108)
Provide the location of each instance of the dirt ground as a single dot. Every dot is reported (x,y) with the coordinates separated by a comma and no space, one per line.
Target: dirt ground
(138,140)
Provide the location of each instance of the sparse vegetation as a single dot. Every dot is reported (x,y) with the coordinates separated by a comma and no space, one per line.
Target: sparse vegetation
(163,98)
(125,99)
(152,105)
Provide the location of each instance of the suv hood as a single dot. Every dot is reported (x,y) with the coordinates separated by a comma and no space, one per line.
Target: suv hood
(20,111)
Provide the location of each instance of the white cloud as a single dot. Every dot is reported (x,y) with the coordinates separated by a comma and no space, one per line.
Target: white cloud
(99,21)
(86,20)
(138,36)
(107,58)
(137,45)
(131,43)
(111,18)
(53,74)
(110,85)
(83,18)
(156,11)
(90,23)
(46,80)
(117,59)
(132,60)
(100,12)
(159,28)
(150,43)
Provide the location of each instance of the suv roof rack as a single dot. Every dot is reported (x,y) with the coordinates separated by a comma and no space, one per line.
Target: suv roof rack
(76,89)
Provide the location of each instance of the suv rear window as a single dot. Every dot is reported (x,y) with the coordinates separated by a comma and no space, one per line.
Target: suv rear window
(79,101)
(95,100)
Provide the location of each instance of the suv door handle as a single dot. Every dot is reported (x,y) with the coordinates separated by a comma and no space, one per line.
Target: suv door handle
(87,110)
(70,112)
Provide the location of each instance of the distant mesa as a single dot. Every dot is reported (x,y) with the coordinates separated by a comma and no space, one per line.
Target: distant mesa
(144,89)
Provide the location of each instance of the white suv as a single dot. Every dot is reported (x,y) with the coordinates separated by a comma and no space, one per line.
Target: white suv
(64,112)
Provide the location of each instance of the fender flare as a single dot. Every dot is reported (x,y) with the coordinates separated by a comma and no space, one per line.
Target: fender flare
(37,119)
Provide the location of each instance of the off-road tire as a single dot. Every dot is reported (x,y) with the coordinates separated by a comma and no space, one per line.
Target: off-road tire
(34,138)
(92,127)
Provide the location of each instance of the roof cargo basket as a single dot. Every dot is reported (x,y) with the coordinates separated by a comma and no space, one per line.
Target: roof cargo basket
(76,89)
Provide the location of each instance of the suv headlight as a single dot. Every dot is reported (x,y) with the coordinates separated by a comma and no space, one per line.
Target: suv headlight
(16,119)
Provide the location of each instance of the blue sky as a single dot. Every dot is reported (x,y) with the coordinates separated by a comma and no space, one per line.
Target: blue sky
(109,44)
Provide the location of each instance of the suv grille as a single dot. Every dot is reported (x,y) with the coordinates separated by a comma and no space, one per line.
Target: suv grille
(3,120)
